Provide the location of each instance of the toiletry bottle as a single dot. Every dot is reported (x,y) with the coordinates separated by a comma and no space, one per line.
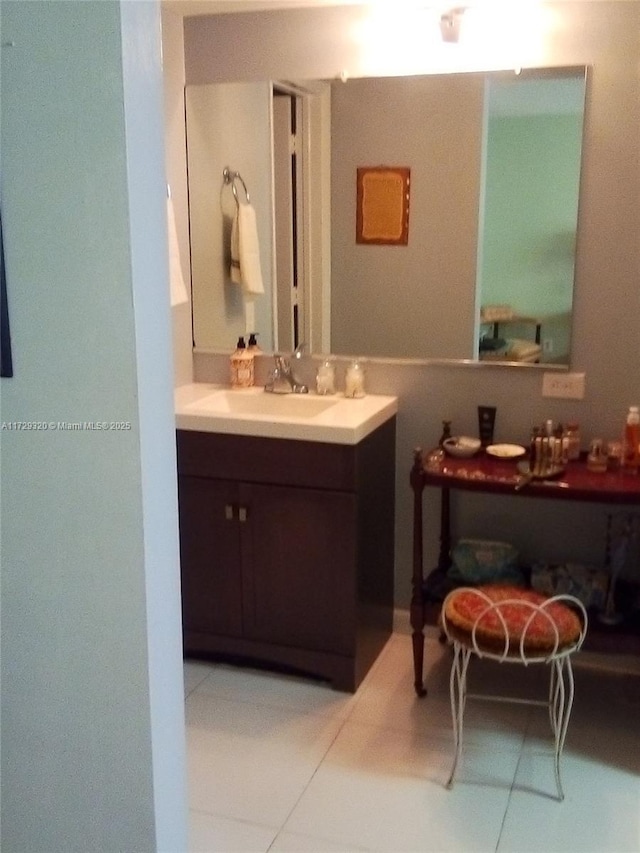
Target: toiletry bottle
(545,438)
(573,440)
(252,345)
(354,380)
(326,378)
(558,438)
(241,366)
(597,457)
(534,450)
(565,446)
(486,424)
(631,441)
(446,432)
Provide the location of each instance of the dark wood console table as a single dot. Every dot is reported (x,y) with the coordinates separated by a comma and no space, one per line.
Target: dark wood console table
(494,476)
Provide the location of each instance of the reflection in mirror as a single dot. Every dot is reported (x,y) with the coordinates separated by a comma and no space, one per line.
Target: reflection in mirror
(487,271)
(528,228)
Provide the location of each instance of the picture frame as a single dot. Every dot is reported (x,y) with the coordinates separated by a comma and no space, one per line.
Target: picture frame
(382,206)
(6,359)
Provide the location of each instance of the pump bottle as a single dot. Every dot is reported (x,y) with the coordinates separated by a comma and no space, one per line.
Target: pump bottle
(252,345)
(631,441)
(241,366)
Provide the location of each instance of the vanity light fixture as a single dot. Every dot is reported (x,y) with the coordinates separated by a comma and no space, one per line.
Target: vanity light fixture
(450,23)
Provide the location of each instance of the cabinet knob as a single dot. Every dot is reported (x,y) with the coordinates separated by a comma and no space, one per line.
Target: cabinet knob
(228,512)
(242,514)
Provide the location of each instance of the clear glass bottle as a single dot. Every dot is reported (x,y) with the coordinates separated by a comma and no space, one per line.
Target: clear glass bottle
(631,441)
(326,378)
(572,434)
(354,380)
(558,447)
(597,457)
(534,451)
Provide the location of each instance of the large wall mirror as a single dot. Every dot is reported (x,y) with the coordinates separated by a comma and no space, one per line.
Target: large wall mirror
(487,271)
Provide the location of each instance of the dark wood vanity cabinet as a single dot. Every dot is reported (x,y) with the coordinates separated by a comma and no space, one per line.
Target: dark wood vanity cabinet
(287,550)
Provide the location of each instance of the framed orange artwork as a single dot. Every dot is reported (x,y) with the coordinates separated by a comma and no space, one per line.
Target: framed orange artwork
(382,210)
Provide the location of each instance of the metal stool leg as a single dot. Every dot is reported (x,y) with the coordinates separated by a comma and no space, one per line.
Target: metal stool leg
(458,693)
(560,704)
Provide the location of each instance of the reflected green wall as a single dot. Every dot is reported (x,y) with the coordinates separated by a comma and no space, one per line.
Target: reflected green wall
(532,178)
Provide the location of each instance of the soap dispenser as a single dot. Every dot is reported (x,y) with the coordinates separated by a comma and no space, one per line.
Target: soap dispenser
(241,364)
(252,345)
(354,380)
(326,378)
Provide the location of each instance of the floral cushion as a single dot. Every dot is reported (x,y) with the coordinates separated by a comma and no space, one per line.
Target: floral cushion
(495,609)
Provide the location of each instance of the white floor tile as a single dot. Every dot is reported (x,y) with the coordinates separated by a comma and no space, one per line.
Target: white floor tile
(243,684)
(195,672)
(292,842)
(381,789)
(286,764)
(212,834)
(388,698)
(251,762)
(600,812)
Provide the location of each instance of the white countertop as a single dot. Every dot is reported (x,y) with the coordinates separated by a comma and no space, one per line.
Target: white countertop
(253,411)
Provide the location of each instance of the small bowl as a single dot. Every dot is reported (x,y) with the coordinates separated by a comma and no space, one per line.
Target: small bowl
(463,446)
(505,451)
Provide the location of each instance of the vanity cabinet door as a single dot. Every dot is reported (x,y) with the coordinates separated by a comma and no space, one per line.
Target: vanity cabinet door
(210,557)
(298,553)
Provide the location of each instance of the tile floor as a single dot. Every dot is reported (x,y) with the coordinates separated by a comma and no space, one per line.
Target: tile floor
(278,763)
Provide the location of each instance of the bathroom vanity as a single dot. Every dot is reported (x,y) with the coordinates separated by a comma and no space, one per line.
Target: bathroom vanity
(287,543)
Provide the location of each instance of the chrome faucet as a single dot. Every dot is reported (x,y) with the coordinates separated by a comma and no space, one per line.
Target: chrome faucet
(282,379)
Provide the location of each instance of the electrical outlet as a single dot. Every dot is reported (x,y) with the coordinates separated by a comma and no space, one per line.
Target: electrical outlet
(569,386)
(547,345)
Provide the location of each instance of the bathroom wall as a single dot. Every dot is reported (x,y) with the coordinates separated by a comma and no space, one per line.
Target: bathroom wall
(93,754)
(419,298)
(228,126)
(606,340)
(176,157)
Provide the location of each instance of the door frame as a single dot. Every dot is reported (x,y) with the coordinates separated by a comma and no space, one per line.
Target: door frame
(313,203)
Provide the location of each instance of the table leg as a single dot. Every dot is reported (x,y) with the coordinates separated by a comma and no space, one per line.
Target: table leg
(418,662)
(444,557)
(417,597)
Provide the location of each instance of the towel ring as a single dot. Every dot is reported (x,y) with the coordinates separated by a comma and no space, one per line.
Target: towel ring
(230,177)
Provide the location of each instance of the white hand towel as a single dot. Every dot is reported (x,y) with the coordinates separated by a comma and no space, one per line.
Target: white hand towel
(234,272)
(176,279)
(245,252)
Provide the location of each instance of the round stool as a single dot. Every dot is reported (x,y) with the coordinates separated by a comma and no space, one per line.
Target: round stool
(510,624)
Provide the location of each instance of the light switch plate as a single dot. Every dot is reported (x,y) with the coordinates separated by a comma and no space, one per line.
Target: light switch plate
(568,386)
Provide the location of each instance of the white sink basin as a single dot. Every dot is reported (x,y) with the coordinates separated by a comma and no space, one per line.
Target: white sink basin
(304,417)
(248,402)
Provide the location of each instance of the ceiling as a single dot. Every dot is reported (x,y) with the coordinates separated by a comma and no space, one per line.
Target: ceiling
(213,7)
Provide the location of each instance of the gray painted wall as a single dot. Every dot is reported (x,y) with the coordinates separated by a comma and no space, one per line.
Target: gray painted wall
(229,125)
(418,299)
(317,43)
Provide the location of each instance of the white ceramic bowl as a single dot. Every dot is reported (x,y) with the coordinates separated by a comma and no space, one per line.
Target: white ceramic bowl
(505,451)
(463,446)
